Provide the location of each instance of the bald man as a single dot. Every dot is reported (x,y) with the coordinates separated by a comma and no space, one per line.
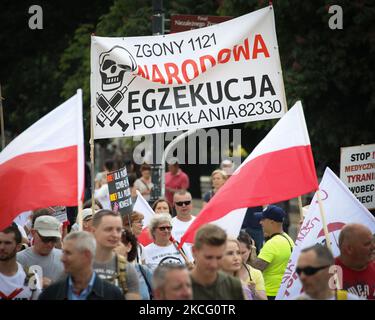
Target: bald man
(356,247)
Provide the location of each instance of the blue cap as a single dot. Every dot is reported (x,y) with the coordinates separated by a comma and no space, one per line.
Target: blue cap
(272,212)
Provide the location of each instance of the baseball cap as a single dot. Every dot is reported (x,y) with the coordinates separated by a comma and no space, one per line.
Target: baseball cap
(272,212)
(86,214)
(47,226)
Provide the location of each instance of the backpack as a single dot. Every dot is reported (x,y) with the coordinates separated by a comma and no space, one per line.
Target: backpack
(121,272)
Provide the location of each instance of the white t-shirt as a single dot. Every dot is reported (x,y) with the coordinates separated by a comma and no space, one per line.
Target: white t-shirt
(180,227)
(155,255)
(178,230)
(15,288)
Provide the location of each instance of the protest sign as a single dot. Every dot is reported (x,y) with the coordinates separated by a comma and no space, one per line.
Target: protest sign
(189,80)
(357,171)
(60,214)
(119,191)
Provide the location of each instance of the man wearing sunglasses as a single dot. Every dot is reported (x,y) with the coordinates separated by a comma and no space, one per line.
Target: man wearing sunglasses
(183,205)
(45,232)
(313,269)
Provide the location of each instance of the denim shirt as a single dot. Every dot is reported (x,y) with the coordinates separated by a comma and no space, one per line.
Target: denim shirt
(83,295)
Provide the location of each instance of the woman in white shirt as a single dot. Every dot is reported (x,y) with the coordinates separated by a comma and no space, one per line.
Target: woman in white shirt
(163,250)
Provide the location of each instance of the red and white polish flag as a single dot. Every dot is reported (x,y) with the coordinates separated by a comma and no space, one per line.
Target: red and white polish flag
(44,166)
(281,167)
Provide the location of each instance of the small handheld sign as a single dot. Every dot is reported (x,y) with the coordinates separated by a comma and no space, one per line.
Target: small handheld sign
(60,213)
(119,191)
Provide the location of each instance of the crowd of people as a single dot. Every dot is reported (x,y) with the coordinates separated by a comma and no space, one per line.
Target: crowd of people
(103,259)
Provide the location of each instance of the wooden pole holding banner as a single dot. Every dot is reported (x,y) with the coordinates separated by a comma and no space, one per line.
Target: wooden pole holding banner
(79,215)
(300,207)
(2,121)
(326,235)
(175,243)
(322,214)
(92,149)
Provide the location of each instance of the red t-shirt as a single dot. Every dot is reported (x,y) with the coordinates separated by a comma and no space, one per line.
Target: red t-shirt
(178,181)
(360,283)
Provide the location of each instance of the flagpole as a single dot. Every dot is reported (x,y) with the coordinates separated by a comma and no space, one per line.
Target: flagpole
(300,207)
(92,149)
(175,243)
(2,121)
(326,234)
(322,214)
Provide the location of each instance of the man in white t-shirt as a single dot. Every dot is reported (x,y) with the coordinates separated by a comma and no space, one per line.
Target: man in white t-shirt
(14,285)
(182,201)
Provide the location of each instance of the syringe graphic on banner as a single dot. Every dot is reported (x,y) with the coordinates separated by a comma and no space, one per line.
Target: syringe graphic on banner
(108,108)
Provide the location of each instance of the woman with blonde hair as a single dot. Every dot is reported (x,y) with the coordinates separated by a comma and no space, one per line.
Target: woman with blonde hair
(252,277)
(231,263)
(218,178)
(163,250)
(134,222)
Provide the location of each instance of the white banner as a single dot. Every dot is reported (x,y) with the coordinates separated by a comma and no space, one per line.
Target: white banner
(219,75)
(357,171)
(341,207)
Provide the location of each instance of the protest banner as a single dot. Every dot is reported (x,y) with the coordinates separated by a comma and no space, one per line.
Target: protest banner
(119,191)
(190,80)
(357,171)
(341,207)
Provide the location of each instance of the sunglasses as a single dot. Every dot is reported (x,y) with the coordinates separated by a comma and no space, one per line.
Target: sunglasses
(166,228)
(48,239)
(309,271)
(181,203)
